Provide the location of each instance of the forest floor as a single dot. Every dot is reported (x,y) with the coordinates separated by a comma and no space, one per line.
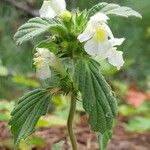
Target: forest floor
(86,139)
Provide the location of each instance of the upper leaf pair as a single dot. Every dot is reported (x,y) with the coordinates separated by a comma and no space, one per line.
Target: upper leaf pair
(36,26)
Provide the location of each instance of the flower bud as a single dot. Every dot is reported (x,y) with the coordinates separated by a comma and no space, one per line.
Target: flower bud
(43,60)
(64,44)
(66,16)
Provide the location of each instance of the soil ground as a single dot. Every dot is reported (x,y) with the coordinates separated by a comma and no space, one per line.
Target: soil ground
(86,139)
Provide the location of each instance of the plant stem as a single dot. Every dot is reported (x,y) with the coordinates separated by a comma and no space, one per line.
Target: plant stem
(70,121)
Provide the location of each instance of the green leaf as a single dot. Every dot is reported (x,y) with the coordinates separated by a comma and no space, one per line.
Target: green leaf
(49,44)
(96,8)
(113,9)
(33,28)
(27,112)
(98,99)
(104,139)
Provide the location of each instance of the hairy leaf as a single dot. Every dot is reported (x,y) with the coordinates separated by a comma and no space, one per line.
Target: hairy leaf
(104,139)
(113,9)
(98,99)
(27,112)
(33,28)
(96,8)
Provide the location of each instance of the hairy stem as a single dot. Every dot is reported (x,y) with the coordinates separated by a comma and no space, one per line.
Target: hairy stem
(70,121)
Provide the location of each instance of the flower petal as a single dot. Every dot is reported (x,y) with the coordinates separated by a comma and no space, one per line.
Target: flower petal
(43,72)
(103,49)
(94,48)
(58,6)
(115,58)
(52,8)
(43,52)
(86,35)
(99,17)
(46,10)
(108,30)
(117,41)
(91,47)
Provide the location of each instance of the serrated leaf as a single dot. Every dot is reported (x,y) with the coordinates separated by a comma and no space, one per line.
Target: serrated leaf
(27,112)
(113,9)
(98,99)
(96,8)
(33,28)
(104,139)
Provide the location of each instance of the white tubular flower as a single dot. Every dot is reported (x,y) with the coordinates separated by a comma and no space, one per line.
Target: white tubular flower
(100,42)
(52,8)
(97,35)
(115,58)
(43,58)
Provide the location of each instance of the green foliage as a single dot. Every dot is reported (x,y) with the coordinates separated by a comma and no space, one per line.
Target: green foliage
(5,109)
(113,9)
(98,99)
(79,20)
(33,28)
(32,142)
(3,70)
(104,139)
(28,144)
(96,8)
(52,120)
(138,124)
(27,112)
(48,43)
(25,81)
(138,119)
(58,146)
(130,111)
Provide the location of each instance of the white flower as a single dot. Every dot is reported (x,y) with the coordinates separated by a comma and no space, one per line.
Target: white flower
(115,58)
(97,35)
(43,58)
(99,40)
(114,42)
(52,8)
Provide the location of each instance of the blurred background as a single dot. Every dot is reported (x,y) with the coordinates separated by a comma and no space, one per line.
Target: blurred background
(131,83)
